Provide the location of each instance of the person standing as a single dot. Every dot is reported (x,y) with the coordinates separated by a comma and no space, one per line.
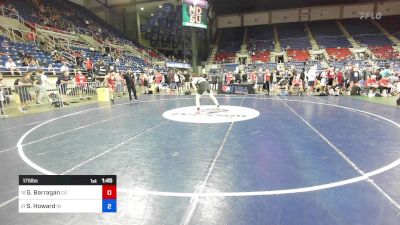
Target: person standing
(187,80)
(158,80)
(62,82)
(81,83)
(24,84)
(109,81)
(2,85)
(41,81)
(267,79)
(311,76)
(130,84)
(201,85)
(260,81)
(89,67)
(64,68)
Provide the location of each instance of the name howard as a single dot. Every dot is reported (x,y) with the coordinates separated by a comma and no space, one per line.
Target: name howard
(44,206)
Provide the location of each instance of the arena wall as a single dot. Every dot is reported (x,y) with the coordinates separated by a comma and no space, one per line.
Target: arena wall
(285,16)
(229,21)
(388,8)
(383,8)
(355,11)
(252,19)
(325,13)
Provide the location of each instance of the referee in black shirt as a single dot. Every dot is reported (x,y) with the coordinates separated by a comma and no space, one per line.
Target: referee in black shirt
(130,84)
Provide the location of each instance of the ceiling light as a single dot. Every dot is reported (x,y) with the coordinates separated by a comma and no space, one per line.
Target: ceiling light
(152,14)
(160,6)
(142,8)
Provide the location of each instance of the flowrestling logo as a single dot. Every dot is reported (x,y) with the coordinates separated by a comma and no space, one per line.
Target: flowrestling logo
(211,114)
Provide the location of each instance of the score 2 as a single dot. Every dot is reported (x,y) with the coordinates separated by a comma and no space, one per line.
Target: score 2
(109,198)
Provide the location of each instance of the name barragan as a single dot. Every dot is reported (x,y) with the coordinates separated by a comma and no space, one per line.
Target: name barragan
(47,193)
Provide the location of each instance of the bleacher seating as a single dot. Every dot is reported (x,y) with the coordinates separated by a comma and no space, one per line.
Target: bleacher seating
(298,55)
(318,64)
(70,16)
(293,36)
(256,66)
(260,56)
(351,62)
(231,35)
(299,66)
(366,33)
(229,45)
(333,42)
(328,35)
(373,39)
(358,27)
(391,24)
(291,30)
(229,67)
(338,53)
(260,42)
(393,63)
(28,48)
(324,28)
(295,43)
(384,52)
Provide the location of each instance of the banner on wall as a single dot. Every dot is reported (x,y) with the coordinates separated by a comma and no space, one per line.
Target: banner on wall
(177,65)
(194,13)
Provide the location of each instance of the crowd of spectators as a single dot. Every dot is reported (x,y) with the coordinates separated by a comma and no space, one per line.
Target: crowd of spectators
(352,79)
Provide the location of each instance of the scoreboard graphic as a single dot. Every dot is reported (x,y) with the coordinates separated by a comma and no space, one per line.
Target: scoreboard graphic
(67,194)
(194,13)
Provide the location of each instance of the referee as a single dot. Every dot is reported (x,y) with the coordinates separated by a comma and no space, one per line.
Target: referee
(201,85)
(130,84)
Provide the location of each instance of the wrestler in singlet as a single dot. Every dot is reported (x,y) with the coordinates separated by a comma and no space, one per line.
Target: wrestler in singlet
(111,81)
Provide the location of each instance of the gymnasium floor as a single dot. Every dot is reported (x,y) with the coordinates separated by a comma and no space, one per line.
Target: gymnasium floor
(302,160)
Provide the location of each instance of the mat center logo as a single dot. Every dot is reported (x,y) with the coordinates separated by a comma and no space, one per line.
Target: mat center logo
(211,114)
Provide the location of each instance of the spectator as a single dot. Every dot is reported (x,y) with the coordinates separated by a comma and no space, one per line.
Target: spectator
(159,81)
(2,85)
(385,86)
(89,66)
(62,83)
(297,85)
(64,68)
(119,86)
(23,89)
(187,80)
(311,76)
(109,81)
(372,85)
(51,70)
(81,83)
(354,88)
(267,79)
(11,66)
(41,82)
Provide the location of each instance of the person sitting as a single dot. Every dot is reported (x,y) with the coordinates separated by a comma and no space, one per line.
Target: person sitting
(11,66)
(384,86)
(282,86)
(371,85)
(297,86)
(354,88)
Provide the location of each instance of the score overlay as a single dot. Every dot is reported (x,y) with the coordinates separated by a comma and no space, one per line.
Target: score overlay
(67,194)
